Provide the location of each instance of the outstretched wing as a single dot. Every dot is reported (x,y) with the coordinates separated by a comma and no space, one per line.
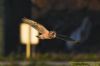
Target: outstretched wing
(36,25)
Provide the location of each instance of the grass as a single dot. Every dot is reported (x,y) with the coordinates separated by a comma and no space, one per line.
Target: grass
(41,59)
(54,57)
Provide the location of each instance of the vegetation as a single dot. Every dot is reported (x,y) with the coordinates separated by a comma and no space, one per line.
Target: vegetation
(41,59)
(54,57)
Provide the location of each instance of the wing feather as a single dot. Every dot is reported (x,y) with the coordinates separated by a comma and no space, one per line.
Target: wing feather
(36,25)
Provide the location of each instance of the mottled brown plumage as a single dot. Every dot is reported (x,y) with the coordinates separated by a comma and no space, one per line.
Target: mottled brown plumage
(44,33)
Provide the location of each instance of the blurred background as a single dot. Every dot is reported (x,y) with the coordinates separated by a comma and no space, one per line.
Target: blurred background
(1,26)
(72,18)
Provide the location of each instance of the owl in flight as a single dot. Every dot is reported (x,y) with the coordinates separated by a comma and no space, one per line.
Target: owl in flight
(44,33)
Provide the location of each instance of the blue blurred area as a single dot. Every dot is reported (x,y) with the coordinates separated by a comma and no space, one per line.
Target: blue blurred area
(81,33)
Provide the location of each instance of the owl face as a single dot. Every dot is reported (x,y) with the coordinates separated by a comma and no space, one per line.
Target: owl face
(50,35)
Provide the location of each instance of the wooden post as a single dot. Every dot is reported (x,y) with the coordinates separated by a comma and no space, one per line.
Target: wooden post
(28,45)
